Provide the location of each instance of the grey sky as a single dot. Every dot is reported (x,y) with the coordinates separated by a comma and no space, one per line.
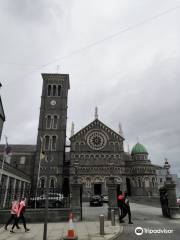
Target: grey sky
(133,78)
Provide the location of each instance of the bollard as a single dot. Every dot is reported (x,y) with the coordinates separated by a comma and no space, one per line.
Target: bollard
(101,220)
(112,217)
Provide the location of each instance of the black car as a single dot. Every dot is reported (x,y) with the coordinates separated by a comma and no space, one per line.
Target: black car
(96,200)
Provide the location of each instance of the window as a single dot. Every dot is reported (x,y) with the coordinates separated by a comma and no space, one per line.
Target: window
(55,122)
(52,183)
(49,91)
(59,90)
(22,160)
(53,142)
(54,91)
(47,142)
(42,182)
(48,122)
(160,180)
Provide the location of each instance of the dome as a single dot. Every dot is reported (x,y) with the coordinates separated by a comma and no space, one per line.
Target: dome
(138,149)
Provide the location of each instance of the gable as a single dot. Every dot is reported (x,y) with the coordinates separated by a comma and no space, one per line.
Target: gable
(94,127)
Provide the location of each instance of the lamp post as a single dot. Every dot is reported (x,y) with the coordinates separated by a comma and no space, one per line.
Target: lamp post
(111,169)
(47,195)
(76,164)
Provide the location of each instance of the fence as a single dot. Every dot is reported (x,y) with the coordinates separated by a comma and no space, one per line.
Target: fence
(34,198)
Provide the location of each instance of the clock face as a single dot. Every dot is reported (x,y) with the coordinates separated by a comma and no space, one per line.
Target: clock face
(53,102)
(96,140)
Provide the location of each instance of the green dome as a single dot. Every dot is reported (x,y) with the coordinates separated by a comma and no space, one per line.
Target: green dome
(138,149)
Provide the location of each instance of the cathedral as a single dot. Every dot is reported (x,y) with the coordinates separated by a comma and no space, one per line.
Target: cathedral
(96,152)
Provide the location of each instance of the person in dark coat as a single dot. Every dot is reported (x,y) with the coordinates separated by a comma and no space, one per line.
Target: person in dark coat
(127,206)
(121,206)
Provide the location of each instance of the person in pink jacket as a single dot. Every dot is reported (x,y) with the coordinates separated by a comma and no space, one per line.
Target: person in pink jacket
(20,215)
(14,211)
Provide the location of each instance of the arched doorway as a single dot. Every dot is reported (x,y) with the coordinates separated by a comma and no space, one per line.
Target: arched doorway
(128,186)
(65,187)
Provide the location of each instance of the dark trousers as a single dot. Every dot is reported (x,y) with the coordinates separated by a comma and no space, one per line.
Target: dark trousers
(21,217)
(124,211)
(13,217)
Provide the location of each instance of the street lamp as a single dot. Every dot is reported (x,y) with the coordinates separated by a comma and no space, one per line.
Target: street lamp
(76,164)
(167,167)
(111,169)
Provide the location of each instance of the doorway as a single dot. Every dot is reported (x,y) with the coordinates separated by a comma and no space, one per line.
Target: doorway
(128,185)
(97,189)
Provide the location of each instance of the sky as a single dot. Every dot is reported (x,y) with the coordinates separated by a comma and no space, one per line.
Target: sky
(122,56)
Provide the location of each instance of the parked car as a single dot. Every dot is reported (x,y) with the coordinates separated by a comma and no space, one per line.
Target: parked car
(55,200)
(178,201)
(96,200)
(105,198)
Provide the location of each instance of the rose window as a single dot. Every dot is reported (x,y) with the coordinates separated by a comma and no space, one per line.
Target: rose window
(96,140)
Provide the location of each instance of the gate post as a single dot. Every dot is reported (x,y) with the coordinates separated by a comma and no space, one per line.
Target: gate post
(174,210)
(76,201)
(112,195)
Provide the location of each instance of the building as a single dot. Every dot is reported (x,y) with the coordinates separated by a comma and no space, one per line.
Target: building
(2,115)
(96,151)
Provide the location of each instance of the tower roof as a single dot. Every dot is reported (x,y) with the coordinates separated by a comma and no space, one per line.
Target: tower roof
(138,149)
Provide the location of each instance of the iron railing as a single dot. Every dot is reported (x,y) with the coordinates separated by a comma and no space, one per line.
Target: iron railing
(34,198)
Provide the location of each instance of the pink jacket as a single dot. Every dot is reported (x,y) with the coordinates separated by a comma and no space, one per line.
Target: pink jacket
(14,207)
(21,206)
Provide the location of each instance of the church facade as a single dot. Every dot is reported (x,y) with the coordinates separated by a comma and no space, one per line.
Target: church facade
(96,151)
(98,154)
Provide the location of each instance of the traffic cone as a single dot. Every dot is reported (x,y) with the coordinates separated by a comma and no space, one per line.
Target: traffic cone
(71,232)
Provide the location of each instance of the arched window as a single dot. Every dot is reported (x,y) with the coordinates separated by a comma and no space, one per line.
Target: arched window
(48,122)
(53,142)
(55,121)
(49,90)
(54,91)
(153,182)
(88,183)
(59,90)
(42,182)
(47,142)
(52,183)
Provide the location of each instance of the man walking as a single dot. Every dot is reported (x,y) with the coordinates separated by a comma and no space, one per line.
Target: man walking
(20,215)
(121,206)
(14,210)
(127,206)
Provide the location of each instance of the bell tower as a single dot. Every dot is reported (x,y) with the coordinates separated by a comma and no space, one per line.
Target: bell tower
(51,137)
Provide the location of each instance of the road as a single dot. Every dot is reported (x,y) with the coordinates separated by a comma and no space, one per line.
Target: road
(147,217)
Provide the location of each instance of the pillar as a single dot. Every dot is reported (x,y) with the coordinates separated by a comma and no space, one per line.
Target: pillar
(76,201)
(174,209)
(112,195)
(6,192)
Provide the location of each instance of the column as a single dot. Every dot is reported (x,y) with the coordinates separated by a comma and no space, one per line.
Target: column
(6,191)
(174,209)
(112,195)
(76,201)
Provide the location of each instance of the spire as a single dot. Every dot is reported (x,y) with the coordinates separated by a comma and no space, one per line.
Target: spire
(96,113)
(72,129)
(120,129)
(128,148)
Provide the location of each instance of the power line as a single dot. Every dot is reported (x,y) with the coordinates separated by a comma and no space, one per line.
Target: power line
(114,35)
(127,29)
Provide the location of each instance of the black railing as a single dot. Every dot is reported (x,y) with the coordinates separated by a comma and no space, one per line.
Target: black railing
(34,198)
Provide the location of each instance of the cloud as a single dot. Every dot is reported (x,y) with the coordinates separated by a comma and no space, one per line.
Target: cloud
(133,78)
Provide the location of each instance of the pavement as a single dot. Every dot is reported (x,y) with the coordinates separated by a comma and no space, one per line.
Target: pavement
(56,231)
(148,218)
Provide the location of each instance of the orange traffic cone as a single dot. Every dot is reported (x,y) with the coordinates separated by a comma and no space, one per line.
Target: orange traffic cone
(71,233)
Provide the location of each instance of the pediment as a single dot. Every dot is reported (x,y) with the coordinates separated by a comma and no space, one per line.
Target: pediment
(99,126)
